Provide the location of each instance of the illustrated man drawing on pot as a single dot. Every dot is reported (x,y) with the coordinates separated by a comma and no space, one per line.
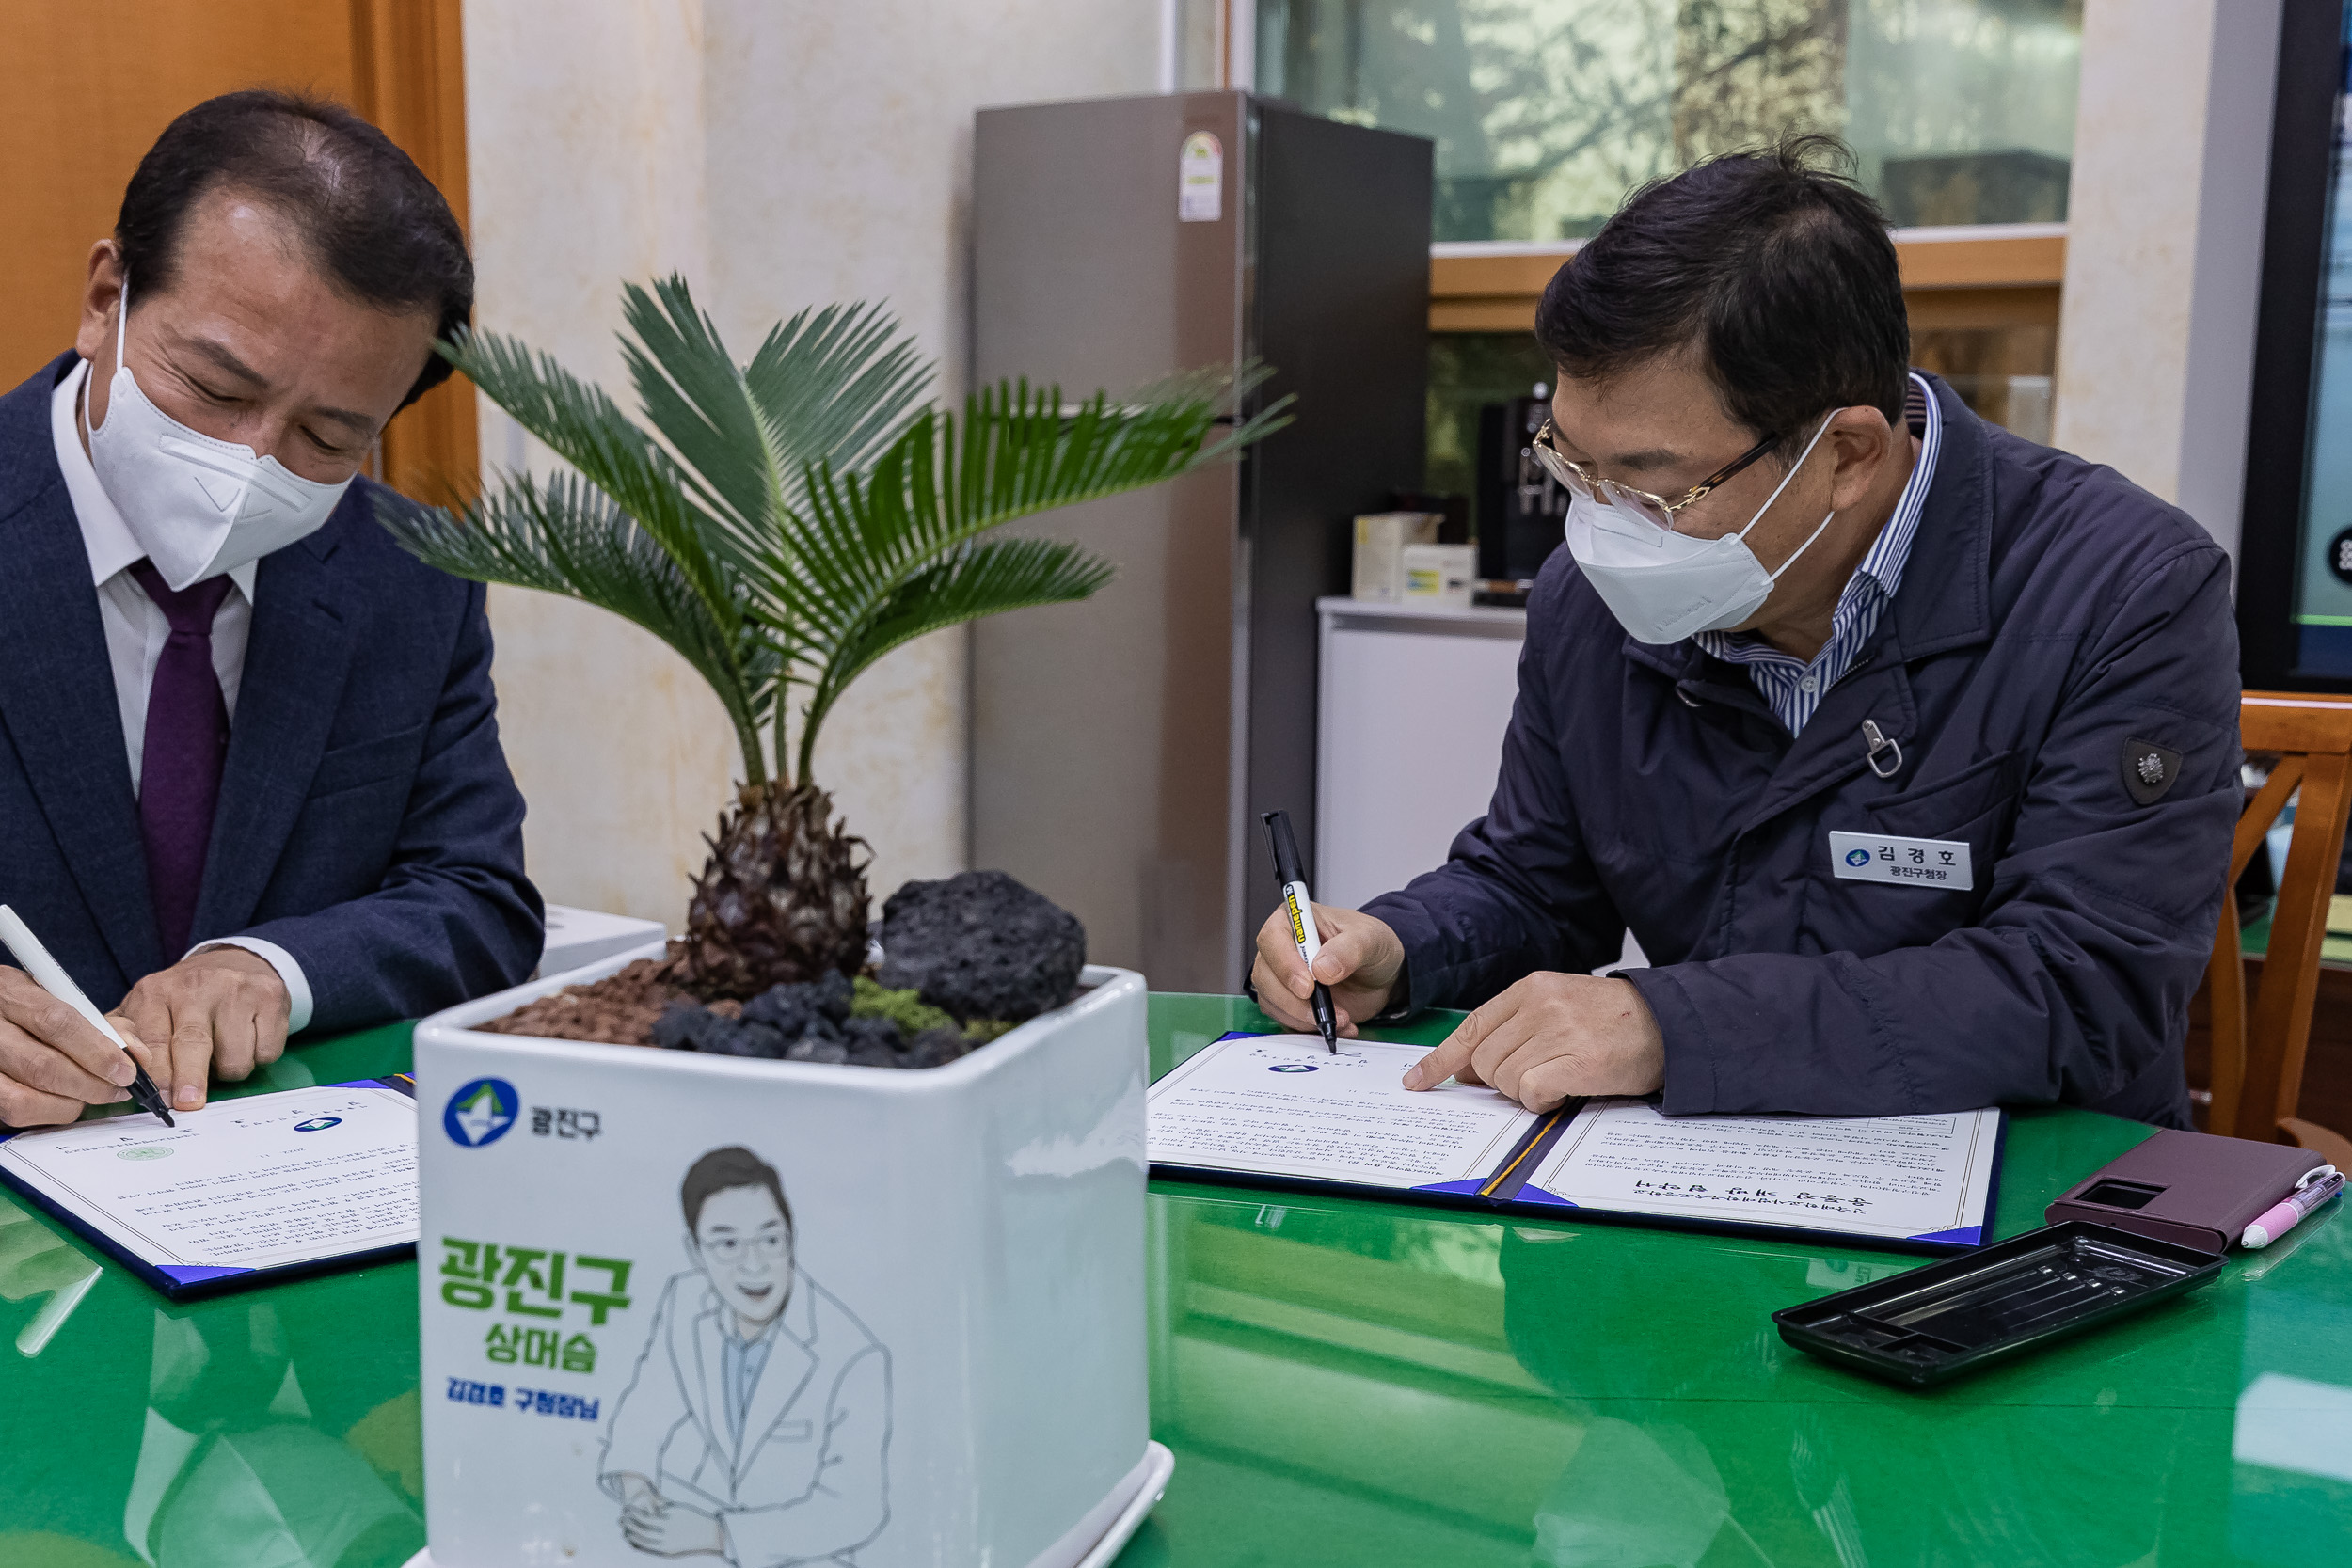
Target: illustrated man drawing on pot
(757,1424)
(1906,748)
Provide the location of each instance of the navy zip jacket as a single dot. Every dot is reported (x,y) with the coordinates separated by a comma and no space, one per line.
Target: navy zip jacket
(367,822)
(2057,626)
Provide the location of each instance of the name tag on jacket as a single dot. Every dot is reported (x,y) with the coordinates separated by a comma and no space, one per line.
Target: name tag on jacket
(1939,863)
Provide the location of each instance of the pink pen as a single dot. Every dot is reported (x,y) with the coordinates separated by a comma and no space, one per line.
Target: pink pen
(2309,1193)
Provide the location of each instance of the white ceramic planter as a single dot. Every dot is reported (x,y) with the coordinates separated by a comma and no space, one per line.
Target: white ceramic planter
(956,1375)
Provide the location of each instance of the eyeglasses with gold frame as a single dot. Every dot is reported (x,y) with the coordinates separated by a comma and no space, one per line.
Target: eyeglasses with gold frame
(1581,481)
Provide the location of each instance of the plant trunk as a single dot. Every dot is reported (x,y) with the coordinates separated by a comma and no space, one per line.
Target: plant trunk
(782,899)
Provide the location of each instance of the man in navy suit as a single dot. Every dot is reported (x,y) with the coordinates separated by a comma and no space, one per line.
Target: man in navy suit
(250,780)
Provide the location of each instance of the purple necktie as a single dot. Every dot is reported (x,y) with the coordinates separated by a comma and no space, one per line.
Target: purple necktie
(187,733)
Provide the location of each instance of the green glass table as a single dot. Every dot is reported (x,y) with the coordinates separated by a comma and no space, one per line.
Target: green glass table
(1343,1382)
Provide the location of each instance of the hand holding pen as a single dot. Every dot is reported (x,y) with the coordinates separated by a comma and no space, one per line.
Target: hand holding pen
(1299,909)
(1360,962)
(1355,961)
(58,1052)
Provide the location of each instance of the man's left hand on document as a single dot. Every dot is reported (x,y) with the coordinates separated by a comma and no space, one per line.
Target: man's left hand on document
(217,1013)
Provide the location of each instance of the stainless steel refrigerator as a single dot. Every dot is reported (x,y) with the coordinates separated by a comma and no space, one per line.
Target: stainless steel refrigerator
(1122,749)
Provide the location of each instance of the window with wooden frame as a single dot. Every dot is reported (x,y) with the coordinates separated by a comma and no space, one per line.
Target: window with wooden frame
(1984,307)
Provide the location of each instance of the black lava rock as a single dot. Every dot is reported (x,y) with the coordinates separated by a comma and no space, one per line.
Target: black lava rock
(688,1026)
(732,1037)
(933,1048)
(808,1023)
(675,1030)
(981,945)
(783,1008)
(791,1009)
(811,1049)
(834,994)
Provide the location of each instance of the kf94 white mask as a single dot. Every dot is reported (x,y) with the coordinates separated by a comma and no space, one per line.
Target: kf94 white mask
(1662,585)
(198,506)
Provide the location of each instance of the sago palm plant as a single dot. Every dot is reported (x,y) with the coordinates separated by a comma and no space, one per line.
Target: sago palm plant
(783,523)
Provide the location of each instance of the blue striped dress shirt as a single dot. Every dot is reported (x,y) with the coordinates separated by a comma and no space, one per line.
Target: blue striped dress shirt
(1793,688)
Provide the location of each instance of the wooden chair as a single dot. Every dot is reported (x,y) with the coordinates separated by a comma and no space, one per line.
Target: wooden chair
(2258,1068)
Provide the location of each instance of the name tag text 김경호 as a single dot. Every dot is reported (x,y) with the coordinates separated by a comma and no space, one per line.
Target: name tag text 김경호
(1937,863)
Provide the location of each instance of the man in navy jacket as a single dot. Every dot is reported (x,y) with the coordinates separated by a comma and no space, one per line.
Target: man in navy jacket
(1906,748)
(250,771)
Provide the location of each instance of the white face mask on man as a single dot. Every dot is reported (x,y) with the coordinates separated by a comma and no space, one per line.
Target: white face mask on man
(198,506)
(1662,586)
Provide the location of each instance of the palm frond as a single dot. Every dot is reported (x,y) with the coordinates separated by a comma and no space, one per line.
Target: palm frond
(562,535)
(579,424)
(694,395)
(1228,389)
(827,388)
(1019,451)
(979,580)
(789,520)
(837,385)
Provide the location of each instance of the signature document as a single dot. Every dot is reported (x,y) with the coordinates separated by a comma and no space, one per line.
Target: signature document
(268,1183)
(1278,1110)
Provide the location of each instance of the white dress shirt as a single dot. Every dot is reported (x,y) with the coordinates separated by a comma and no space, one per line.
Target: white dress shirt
(137,631)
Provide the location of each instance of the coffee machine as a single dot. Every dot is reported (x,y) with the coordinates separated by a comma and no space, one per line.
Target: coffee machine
(1522,510)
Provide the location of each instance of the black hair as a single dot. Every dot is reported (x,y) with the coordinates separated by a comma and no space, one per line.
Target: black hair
(722,1168)
(1775,270)
(373,222)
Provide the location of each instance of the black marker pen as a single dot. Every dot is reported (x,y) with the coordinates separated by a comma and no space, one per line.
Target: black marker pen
(1302,912)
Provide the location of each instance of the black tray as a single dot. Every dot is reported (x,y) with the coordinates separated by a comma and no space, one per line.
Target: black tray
(1937,1322)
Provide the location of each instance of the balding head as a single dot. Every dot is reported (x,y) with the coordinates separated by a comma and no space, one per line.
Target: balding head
(364,215)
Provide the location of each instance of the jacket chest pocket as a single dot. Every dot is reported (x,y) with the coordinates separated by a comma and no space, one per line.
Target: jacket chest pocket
(790,1432)
(385,759)
(1973,800)
(1973,807)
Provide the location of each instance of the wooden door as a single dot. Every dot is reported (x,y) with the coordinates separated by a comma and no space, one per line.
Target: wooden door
(87,86)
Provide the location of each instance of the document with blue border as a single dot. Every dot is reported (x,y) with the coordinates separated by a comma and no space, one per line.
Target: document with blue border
(257,1187)
(1279,1110)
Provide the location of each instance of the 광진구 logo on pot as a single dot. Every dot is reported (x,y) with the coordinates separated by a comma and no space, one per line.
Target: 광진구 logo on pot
(481,1112)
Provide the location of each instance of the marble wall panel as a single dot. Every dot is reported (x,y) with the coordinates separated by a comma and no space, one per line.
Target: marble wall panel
(779,155)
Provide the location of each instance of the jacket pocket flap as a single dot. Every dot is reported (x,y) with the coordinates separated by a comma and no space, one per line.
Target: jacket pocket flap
(790,1432)
(367,761)
(1942,809)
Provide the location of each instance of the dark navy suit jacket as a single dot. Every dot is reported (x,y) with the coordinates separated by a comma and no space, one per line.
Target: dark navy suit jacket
(2052,617)
(367,821)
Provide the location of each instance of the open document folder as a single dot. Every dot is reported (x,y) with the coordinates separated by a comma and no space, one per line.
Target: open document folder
(254,1188)
(1279,1110)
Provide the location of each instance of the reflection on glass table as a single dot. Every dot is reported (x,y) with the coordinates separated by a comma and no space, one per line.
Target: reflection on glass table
(1349,1382)
(279,1427)
(1344,1383)
(36,1265)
